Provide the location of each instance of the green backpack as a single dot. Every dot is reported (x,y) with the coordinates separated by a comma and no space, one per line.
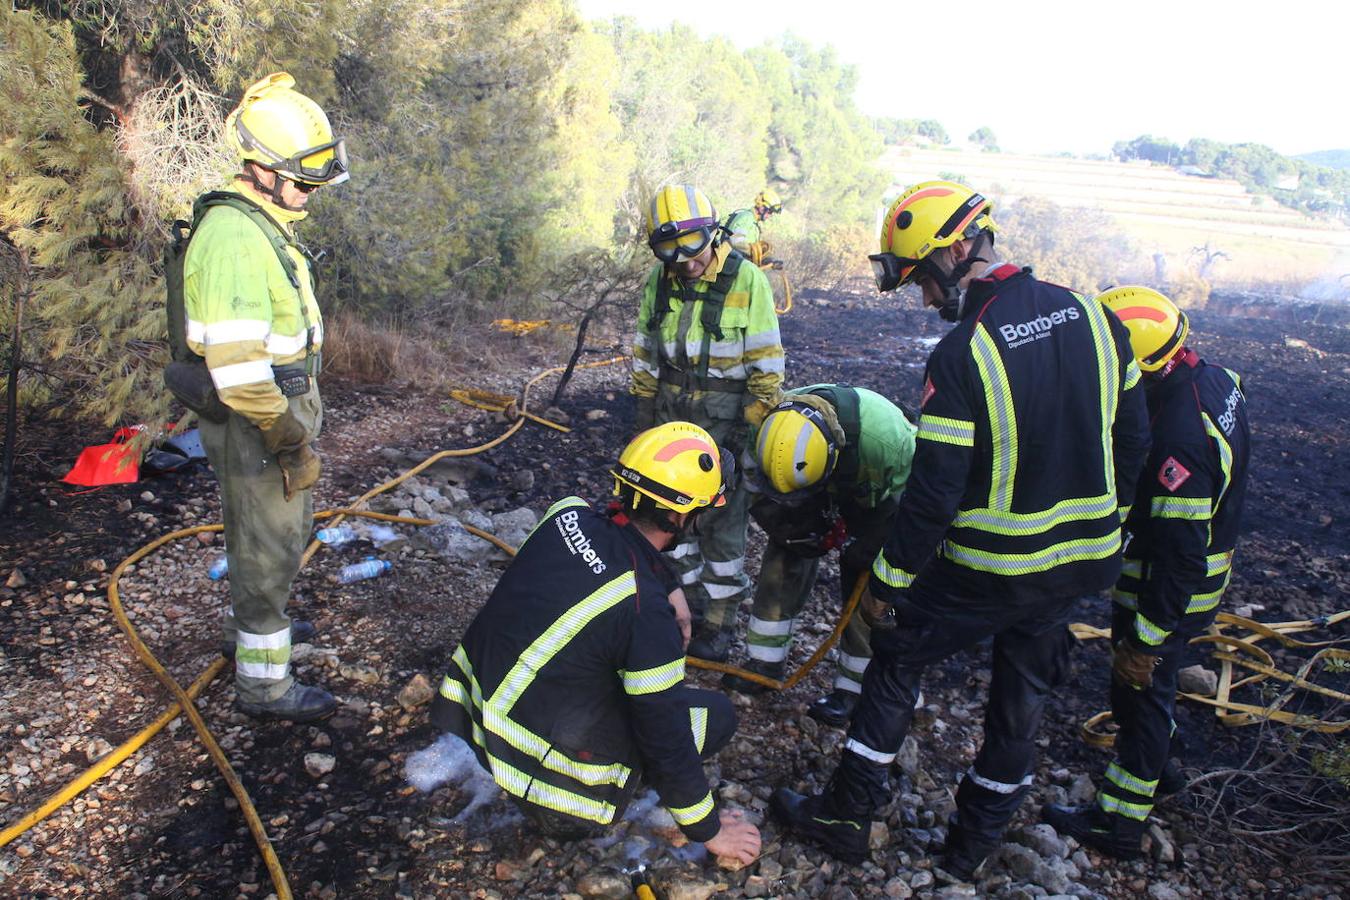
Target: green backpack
(186,376)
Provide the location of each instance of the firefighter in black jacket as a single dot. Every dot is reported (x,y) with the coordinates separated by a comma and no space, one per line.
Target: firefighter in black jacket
(1031,434)
(1182,533)
(569,682)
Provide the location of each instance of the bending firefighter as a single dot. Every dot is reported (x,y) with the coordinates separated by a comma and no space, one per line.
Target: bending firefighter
(744,227)
(707,351)
(829,464)
(1182,532)
(246,334)
(569,682)
(1031,434)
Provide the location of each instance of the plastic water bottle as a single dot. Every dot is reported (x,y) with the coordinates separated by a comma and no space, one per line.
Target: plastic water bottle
(336,537)
(370,568)
(219,569)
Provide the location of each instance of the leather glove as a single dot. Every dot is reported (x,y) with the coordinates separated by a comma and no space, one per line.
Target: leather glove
(1133,667)
(287,439)
(756,411)
(646,413)
(876,614)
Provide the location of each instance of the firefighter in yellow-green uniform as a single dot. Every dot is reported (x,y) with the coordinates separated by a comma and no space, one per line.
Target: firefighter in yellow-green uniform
(707,350)
(251,316)
(744,226)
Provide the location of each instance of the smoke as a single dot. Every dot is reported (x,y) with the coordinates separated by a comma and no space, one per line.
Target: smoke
(450,761)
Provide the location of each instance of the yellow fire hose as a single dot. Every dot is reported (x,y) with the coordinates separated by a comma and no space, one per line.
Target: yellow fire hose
(184,699)
(1234,714)
(849,608)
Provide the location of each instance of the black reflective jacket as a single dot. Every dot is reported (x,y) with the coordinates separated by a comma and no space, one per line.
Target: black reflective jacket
(567,683)
(1032,431)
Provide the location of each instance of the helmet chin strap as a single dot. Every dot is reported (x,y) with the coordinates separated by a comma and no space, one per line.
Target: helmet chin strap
(953,298)
(273,193)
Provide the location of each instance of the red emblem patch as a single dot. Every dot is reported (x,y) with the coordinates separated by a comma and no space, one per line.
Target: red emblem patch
(928,392)
(1173,474)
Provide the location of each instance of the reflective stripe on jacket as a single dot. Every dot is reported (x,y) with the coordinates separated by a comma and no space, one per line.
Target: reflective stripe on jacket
(567,681)
(243,313)
(749,348)
(1184,524)
(1032,430)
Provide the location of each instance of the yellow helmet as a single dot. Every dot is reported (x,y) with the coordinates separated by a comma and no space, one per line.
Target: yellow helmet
(681,222)
(768,201)
(1157,328)
(281,129)
(796,450)
(926,217)
(676,464)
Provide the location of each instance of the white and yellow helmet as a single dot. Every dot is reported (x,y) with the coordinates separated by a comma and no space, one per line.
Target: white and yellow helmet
(681,222)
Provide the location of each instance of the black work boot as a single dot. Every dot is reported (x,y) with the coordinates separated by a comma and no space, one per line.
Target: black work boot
(302,632)
(741,685)
(1171,781)
(963,854)
(711,643)
(300,703)
(835,708)
(1091,826)
(812,818)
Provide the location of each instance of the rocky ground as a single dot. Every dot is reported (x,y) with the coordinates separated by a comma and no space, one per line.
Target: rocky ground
(336,797)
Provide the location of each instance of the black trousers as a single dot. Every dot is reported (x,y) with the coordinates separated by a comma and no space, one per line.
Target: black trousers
(1145,721)
(719,728)
(1030,659)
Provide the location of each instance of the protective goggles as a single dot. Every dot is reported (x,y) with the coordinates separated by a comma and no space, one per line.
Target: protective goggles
(322,164)
(891,271)
(665,240)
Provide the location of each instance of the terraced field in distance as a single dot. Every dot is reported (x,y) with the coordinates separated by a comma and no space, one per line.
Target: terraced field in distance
(1160,211)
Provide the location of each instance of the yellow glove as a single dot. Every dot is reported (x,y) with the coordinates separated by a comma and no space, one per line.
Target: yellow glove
(756,411)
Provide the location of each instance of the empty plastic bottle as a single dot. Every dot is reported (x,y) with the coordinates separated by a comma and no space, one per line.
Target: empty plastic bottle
(370,568)
(341,534)
(219,569)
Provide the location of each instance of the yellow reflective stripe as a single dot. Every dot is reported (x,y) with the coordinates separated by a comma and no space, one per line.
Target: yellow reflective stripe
(1124,514)
(1218,563)
(1194,509)
(541,793)
(1205,602)
(1118,776)
(1125,598)
(1037,561)
(1225,455)
(889,575)
(947,431)
(1138,811)
(654,680)
(254,371)
(1148,632)
(698,724)
(1002,418)
(1074,509)
(1132,374)
(688,815)
(1134,568)
(1108,379)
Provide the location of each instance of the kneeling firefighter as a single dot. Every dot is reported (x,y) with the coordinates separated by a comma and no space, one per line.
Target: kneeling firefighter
(569,682)
(707,350)
(829,465)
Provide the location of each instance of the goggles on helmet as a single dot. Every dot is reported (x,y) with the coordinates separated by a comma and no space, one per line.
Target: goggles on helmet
(321,164)
(665,239)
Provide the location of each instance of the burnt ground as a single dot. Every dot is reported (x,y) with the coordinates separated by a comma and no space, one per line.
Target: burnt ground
(163,823)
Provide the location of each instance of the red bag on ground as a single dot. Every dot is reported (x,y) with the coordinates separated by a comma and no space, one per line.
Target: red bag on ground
(115,463)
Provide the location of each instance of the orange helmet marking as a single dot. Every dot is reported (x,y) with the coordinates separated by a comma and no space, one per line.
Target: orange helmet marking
(675,448)
(1141,312)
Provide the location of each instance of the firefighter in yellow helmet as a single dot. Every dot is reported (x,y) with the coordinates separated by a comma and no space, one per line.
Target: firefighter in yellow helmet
(1183,531)
(1031,435)
(569,682)
(827,469)
(707,350)
(246,334)
(743,226)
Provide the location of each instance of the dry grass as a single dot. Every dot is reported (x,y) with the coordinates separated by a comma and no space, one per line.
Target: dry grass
(383,354)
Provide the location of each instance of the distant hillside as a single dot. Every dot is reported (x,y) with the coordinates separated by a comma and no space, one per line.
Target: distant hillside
(1159,210)
(1332,159)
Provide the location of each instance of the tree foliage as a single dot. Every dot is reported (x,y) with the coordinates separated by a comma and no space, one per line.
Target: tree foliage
(983,137)
(1081,249)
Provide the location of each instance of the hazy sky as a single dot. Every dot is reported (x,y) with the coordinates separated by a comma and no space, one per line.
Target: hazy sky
(1074,76)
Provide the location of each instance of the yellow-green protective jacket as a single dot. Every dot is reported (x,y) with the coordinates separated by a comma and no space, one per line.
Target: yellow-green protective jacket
(749,348)
(743,229)
(243,313)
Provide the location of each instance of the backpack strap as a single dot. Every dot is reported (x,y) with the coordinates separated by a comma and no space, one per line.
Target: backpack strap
(713,301)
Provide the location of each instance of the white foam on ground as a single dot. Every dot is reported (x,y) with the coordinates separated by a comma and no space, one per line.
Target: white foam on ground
(450,761)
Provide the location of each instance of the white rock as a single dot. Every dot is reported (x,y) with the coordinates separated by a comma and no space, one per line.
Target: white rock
(319,764)
(1198,680)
